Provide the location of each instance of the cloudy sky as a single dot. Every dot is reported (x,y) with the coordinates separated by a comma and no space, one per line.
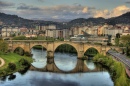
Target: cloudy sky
(64,9)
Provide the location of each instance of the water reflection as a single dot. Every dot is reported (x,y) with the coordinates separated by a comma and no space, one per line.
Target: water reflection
(34,78)
(65,62)
(90,64)
(12,77)
(39,57)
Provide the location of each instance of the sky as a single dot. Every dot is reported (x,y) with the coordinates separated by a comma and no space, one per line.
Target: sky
(64,9)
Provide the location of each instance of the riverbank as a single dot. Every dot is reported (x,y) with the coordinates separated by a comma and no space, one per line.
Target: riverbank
(117,69)
(13,63)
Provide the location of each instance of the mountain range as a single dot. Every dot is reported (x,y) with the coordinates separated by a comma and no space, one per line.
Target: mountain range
(14,20)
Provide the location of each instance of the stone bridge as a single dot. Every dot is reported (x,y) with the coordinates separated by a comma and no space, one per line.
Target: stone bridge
(51,46)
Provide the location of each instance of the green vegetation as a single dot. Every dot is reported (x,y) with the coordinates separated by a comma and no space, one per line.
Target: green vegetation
(66,48)
(125,41)
(91,52)
(3,46)
(39,47)
(37,38)
(117,41)
(19,38)
(19,51)
(14,63)
(117,69)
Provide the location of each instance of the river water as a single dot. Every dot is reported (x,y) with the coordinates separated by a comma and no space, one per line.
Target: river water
(65,62)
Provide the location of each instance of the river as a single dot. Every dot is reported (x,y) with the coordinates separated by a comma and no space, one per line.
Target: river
(65,62)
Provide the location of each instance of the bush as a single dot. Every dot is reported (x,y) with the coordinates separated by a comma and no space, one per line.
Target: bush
(24,62)
(27,54)
(11,66)
(20,38)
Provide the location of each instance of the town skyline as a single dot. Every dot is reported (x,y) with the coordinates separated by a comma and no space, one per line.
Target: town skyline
(60,9)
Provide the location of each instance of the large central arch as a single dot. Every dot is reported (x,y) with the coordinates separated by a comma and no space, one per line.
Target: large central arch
(62,57)
(57,44)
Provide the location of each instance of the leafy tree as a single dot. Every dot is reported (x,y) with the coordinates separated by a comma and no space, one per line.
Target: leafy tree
(3,46)
(117,41)
(118,35)
(125,40)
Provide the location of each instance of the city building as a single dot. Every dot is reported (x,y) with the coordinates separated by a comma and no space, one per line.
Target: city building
(9,31)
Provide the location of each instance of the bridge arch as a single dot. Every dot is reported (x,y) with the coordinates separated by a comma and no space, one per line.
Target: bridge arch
(14,48)
(66,48)
(75,46)
(88,46)
(62,59)
(19,50)
(91,51)
(33,45)
(40,46)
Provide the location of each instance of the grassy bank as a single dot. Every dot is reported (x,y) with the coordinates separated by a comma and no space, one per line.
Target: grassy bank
(117,69)
(14,63)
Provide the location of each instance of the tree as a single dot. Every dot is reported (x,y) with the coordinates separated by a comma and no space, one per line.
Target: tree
(125,40)
(117,41)
(3,46)
(118,35)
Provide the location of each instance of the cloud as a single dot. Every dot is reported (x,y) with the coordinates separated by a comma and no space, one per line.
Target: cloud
(27,7)
(115,12)
(128,2)
(62,11)
(101,13)
(120,10)
(56,12)
(85,10)
(4,4)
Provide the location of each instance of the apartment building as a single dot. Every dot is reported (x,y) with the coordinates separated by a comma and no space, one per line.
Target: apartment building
(8,31)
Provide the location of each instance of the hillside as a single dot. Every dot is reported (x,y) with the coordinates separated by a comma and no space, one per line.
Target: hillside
(14,20)
(122,19)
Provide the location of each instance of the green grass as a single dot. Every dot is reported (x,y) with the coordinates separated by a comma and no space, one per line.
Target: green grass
(12,58)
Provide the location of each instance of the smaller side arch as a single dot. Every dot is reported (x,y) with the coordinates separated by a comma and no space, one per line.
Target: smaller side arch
(98,48)
(19,50)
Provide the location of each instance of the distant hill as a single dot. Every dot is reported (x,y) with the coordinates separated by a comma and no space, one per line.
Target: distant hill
(89,21)
(122,19)
(14,20)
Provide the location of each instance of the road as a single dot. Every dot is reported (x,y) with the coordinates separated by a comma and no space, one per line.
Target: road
(121,57)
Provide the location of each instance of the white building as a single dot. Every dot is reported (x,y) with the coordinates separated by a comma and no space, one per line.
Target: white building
(113,31)
(8,31)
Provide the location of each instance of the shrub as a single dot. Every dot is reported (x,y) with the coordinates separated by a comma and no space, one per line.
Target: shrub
(27,54)
(24,62)
(11,66)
